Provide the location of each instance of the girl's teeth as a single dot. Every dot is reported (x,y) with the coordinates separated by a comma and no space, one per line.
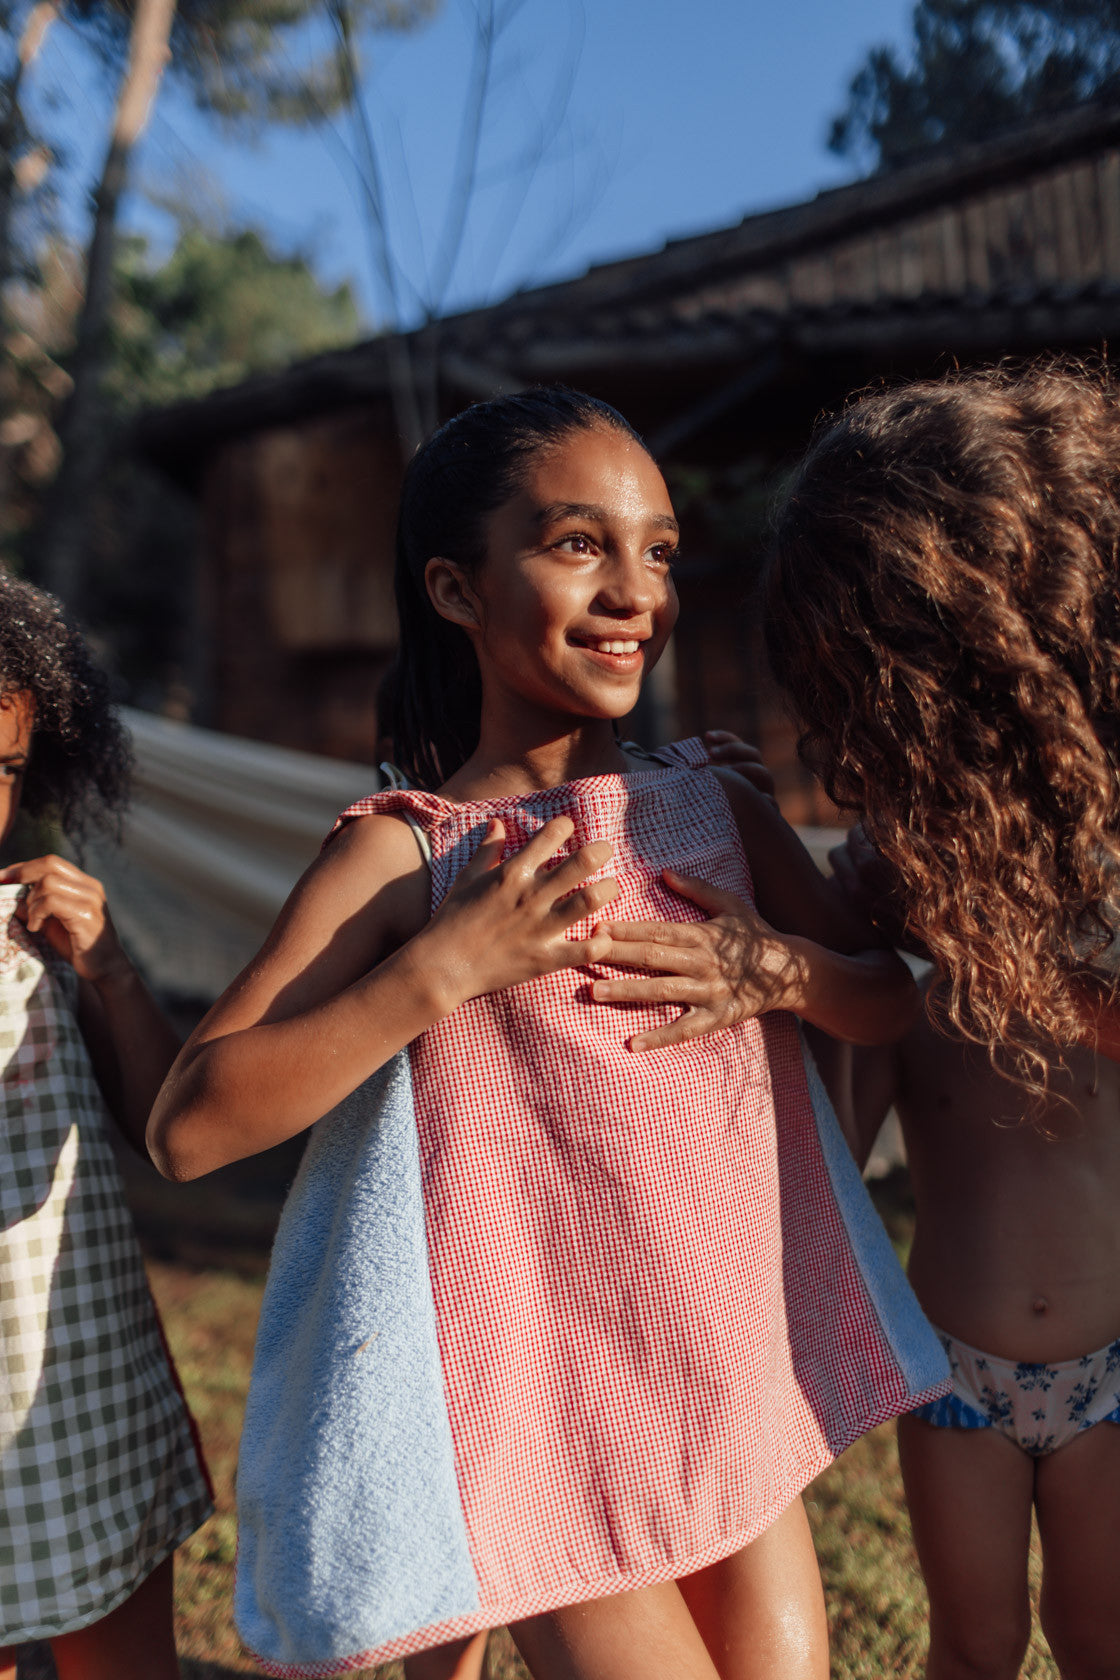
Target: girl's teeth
(617,647)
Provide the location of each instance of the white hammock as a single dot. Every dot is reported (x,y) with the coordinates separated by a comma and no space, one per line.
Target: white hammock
(219,831)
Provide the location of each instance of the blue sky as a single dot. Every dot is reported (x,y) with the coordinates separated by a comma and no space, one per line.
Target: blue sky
(681,117)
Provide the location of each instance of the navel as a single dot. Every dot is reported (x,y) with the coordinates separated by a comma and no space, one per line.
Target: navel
(1040,1305)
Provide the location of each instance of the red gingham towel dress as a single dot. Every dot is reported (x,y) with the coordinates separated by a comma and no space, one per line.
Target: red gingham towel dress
(661,1299)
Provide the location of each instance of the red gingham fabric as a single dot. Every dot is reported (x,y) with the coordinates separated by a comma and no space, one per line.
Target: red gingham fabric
(652,1327)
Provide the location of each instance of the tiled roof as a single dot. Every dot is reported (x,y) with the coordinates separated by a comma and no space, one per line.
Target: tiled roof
(1013,242)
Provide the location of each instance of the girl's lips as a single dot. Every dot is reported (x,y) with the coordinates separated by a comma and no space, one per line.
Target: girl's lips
(616,653)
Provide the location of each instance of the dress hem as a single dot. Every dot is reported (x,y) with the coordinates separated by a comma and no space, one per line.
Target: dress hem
(500,1615)
(42,1634)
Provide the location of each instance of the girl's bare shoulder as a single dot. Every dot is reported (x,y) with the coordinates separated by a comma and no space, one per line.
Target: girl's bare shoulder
(372,867)
(364,895)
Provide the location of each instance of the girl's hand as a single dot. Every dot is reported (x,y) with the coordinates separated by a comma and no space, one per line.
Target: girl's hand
(731,752)
(720,972)
(503,923)
(355,969)
(68,908)
(130,1044)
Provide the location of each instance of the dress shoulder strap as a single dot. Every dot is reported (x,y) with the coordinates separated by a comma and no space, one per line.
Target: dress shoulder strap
(420,835)
(394,777)
(395,796)
(691,752)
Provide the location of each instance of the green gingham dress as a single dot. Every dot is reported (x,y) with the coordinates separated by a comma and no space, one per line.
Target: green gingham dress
(100,1479)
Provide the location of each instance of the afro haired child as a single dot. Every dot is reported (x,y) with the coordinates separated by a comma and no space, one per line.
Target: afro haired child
(100,1478)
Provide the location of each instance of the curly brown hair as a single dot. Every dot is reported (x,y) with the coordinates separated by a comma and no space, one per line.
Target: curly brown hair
(943,609)
(79,769)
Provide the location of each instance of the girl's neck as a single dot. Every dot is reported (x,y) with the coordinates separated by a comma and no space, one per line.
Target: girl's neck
(506,765)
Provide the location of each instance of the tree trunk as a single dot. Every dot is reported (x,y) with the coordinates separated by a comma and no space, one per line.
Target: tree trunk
(82,429)
(12,137)
(11,125)
(38,21)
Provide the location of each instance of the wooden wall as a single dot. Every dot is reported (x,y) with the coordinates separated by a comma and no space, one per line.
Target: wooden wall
(298,580)
(300,516)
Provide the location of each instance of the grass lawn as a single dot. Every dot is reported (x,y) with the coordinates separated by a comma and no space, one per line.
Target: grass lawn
(875,1597)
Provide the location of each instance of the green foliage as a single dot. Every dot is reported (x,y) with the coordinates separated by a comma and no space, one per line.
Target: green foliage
(258,61)
(218,309)
(974,69)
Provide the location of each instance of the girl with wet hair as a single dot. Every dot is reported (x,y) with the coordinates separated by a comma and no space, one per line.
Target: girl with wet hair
(555,1333)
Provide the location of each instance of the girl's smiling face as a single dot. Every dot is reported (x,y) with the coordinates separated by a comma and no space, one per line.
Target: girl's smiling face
(574,601)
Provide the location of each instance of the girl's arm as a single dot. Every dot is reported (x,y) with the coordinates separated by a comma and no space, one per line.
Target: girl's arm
(803,948)
(862,1082)
(354,970)
(131,1045)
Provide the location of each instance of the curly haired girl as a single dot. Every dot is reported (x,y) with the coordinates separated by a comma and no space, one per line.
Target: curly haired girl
(99,1475)
(943,608)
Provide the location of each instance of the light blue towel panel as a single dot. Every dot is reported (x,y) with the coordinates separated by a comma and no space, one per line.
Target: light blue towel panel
(915,1345)
(351,1527)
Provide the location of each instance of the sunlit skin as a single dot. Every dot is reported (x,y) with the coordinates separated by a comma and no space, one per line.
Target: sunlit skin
(570,608)
(577,562)
(1016,1251)
(131,1047)
(130,1044)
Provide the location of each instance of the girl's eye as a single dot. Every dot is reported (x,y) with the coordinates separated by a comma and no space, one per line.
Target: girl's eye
(576,542)
(665,554)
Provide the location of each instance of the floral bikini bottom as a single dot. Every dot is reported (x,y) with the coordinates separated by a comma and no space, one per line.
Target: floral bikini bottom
(1037,1406)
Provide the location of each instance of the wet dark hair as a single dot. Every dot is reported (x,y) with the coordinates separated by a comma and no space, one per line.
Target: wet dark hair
(943,609)
(464,473)
(79,768)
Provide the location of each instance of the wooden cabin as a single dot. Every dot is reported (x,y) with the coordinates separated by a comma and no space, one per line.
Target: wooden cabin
(721,349)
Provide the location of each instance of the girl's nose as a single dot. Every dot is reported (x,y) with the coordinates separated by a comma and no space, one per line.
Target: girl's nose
(631,585)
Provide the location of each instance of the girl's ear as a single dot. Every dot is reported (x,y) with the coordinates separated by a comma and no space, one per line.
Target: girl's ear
(450,593)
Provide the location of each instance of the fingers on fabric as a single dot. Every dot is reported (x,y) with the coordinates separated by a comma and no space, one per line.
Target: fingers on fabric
(657,956)
(694,1023)
(730,752)
(709,898)
(58,889)
(666,988)
(545,843)
(573,871)
(587,901)
(489,854)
